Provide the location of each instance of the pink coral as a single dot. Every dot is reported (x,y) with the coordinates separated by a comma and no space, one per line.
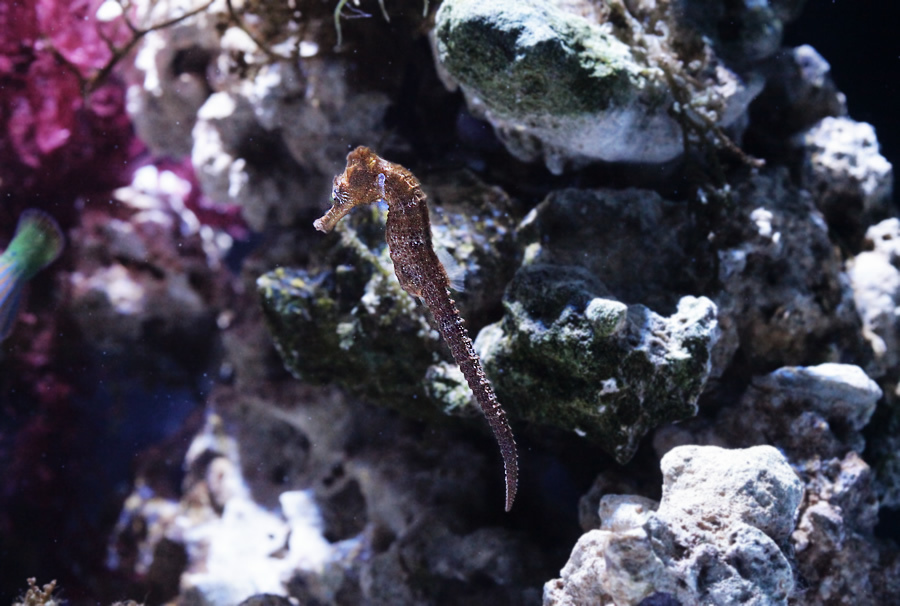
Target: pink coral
(77,35)
(61,139)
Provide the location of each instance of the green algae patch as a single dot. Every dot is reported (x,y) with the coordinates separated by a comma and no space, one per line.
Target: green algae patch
(324,337)
(527,56)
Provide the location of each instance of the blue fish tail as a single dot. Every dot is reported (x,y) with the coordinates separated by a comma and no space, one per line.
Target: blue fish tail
(11,282)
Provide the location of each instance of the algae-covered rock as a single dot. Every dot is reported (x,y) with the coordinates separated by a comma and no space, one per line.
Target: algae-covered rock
(326,332)
(554,84)
(570,351)
(567,355)
(576,81)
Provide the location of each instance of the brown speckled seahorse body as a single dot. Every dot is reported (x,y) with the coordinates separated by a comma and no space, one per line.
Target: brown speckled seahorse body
(369,178)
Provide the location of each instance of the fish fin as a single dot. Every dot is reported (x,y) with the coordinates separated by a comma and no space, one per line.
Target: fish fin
(456,273)
(11,283)
(37,243)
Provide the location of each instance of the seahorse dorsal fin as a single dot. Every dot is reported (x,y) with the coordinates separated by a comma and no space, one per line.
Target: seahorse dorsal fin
(456,272)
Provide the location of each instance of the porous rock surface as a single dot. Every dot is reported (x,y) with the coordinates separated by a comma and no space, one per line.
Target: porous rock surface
(816,415)
(718,536)
(784,298)
(839,557)
(849,179)
(875,279)
(815,411)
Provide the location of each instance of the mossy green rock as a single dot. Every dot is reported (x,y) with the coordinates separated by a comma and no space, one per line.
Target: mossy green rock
(567,355)
(530,56)
(554,84)
(328,330)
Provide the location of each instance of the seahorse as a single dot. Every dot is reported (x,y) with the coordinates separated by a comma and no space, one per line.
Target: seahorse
(369,178)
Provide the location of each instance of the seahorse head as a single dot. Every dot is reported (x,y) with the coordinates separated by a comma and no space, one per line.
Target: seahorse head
(361,183)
